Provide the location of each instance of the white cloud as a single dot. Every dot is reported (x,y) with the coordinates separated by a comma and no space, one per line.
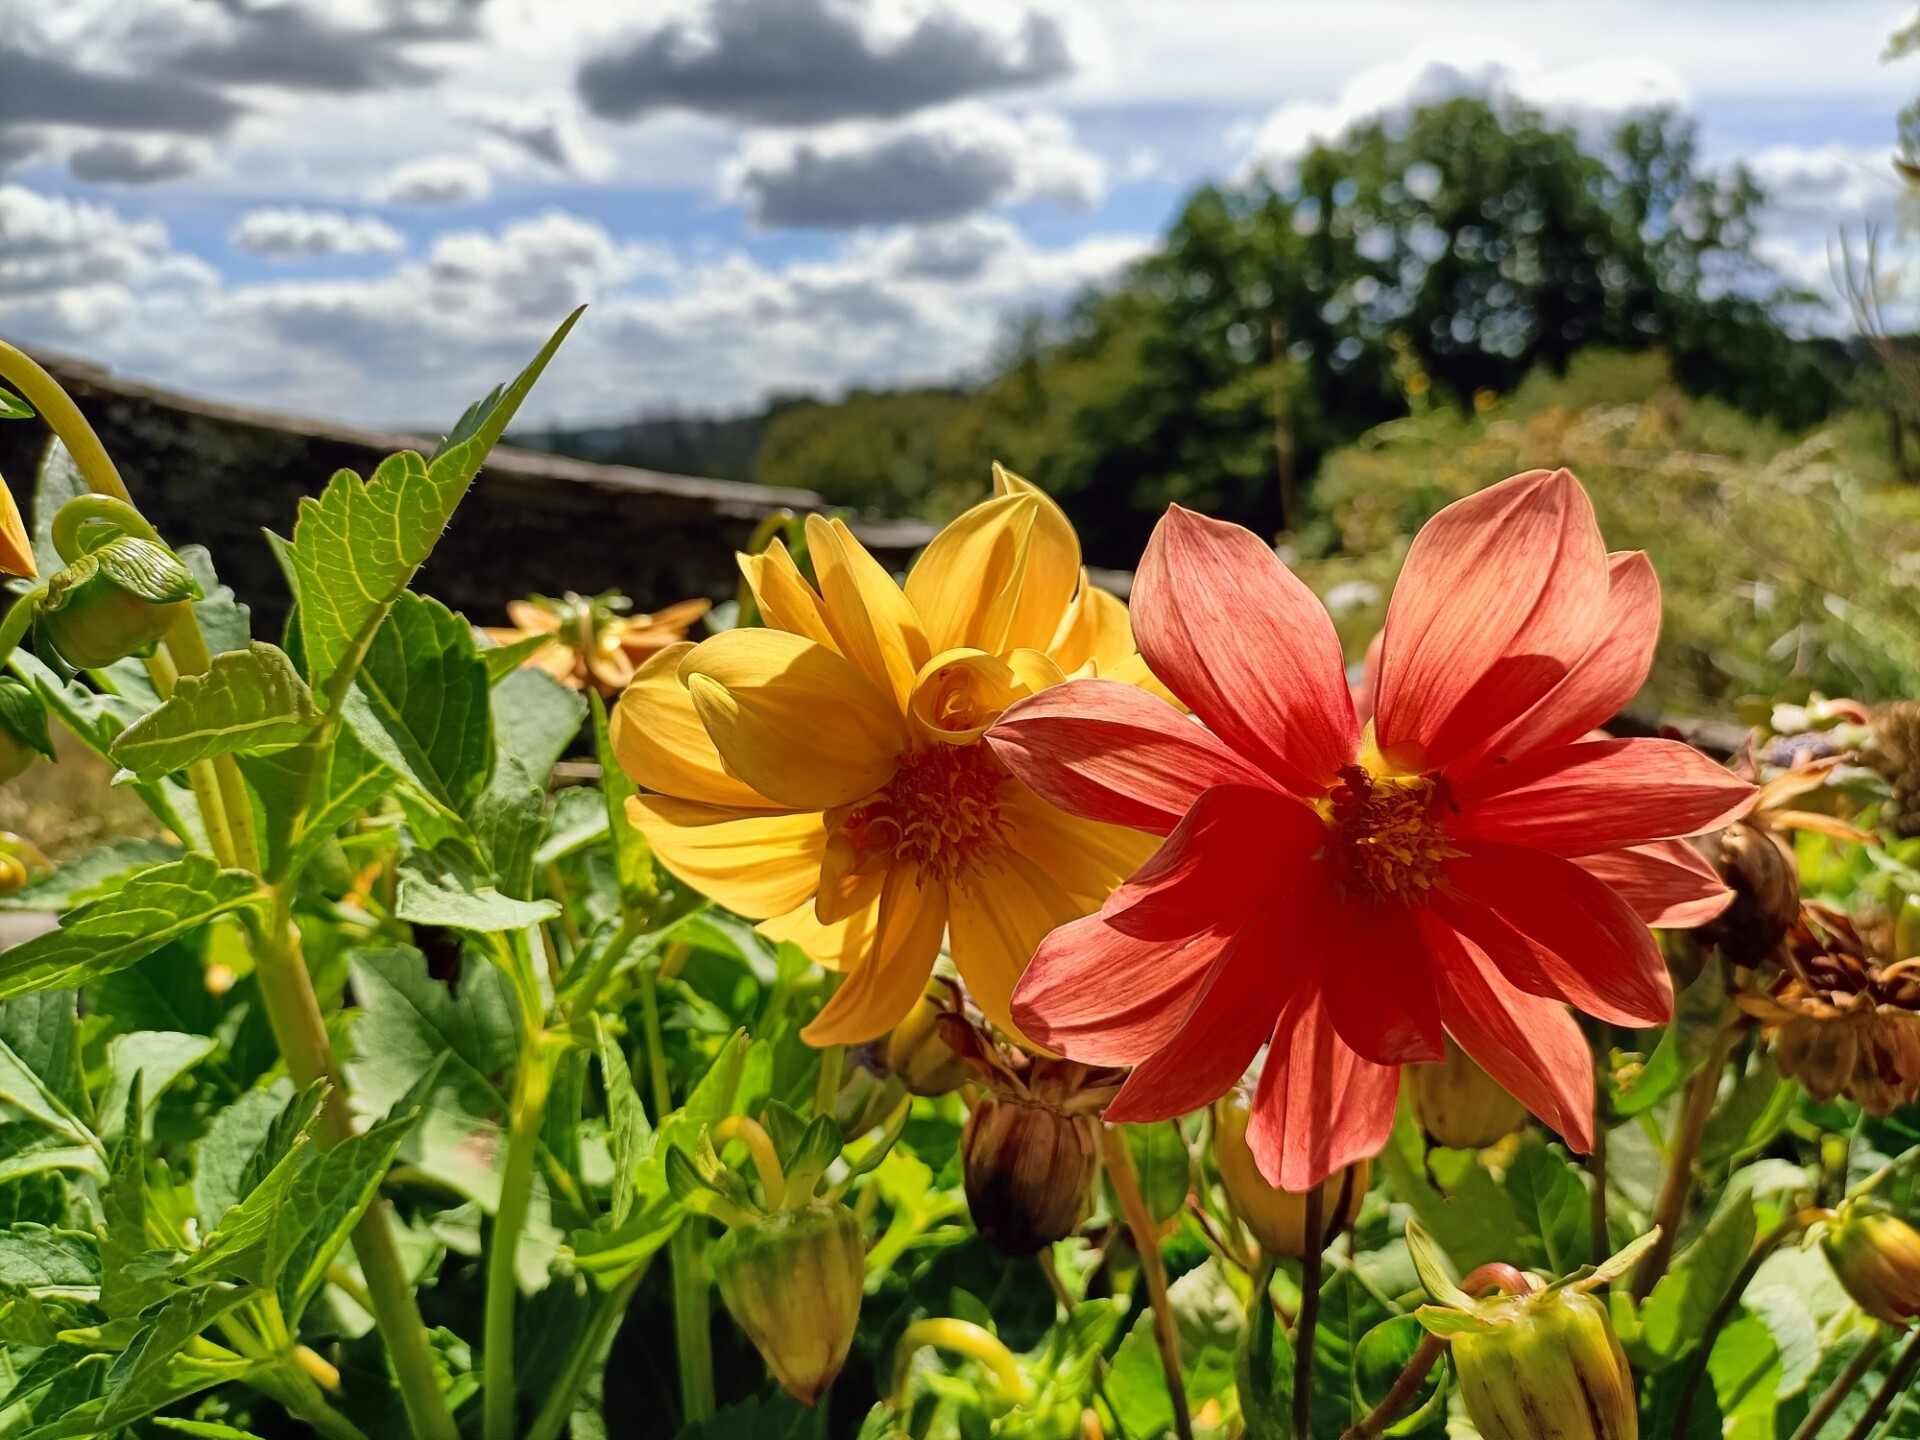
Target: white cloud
(1592,90)
(137,160)
(293,233)
(932,167)
(441,180)
(71,271)
(549,134)
(1828,183)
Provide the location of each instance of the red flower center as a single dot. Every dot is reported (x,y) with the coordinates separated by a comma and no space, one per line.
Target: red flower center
(940,810)
(1384,837)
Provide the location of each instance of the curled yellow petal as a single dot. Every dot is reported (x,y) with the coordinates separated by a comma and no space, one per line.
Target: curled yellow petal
(872,621)
(1036,670)
(959,693)
(883,986)
(795,721)
(754,864)
(16,550)
(966,584)
(659,739)
(1095,630)
(785,598)
(1052,565)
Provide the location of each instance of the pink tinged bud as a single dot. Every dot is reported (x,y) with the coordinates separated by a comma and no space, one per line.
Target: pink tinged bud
(793,1283)
(1546,1366)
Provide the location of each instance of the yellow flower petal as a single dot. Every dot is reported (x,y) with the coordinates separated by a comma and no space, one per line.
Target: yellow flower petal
(1094,630)
(1036,670)
(959,693)
(799,724)
(785,598)
(884,986)
(16,550)
(1133,671)
(754,864)
(1000,911)
(839,946)
(875,626)
(966,584)
(1052,565)
(660,741)
(1085,858)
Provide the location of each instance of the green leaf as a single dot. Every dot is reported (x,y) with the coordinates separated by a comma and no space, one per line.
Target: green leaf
(632,856)
(117,930)
(1348,1311)
(24,714)
(202,1429)
(224,621)
(421,704)
(91,875)
(142,568)
(144,1378)
(503,660)
(1551,1204)
(1467,1213)
(444,887)
(222,1158)
(536,717)
(351,781)
(41,1034)
(409,1020)
(255,1237)
(1165,1168)
(123,1202)
(47,1262)
(12,407)
(59,480)
(251,702)
(356,547)
(507,820)
(1677,1311)
(1380,1360)
(1749,1117)
(628,1133)
(579,819)
(157,1058)
(29,1150)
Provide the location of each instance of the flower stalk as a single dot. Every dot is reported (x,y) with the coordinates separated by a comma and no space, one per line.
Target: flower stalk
(1415,1374)
(1891,1389)
(1309,1320)
(1153,1268)
(1677,1188)
(963,1337)
(1844,1384)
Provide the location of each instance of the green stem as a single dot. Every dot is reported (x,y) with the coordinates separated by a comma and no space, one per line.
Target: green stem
(1671,1207)
(1146,1240)
(1723,1312)
(516,1195)
(964,1338)
(612,1309)
(56,407)
(1403,1391)
(14,628)
(1844,1384)
(1313,1230)
(293,1011)
(1895,1385)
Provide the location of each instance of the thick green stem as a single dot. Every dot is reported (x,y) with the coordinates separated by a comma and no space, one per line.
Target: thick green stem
(293,1011)
(56,407)
(516,1194)
(1146,1240)
(1844,1384)
(558,1406)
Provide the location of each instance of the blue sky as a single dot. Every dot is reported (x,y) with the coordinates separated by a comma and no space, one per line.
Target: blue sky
(371,209)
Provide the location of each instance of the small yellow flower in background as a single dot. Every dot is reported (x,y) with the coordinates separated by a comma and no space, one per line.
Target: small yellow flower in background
(826,775)
(16,550)
(593,642)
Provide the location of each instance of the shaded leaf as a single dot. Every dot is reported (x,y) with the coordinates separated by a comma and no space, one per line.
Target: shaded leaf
(421,703)
(249,702)
(444,887)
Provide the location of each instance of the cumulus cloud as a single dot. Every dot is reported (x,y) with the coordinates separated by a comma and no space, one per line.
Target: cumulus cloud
(294,46)
(802,62)
(1825,182)
(291,233)
(39,89)
(1596,90)
(936,166)
(548,134)
(136,160)
(441,180)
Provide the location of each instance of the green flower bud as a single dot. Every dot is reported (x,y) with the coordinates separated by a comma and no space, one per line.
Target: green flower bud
(1876,1257)
(1546,1366)
(115,601)
(1278,1218)
(15,754)
(792,1281)
(1459,1105)
(916,1053)
(23,728)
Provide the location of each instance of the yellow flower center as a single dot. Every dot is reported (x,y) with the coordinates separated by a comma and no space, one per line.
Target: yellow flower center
(940,811)
(1383,833)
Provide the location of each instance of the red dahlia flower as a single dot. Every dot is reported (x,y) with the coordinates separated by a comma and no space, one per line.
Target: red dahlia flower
(1463,864)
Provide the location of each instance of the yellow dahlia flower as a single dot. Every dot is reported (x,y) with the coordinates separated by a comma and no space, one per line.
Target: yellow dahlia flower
(826,774)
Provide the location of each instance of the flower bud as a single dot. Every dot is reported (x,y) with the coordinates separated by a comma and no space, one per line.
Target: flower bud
(792,1281)
(1459,1105)
(1029,1169)
(1760,871)
(866,1098)
(115,601)
(1876,1258)
(1546,1366)
(916,1053)
(1278,1218)
(15,754)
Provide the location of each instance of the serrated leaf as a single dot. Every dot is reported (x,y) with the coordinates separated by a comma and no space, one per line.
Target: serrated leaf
(445,887)
(250,702)
(126,1290)
(350,781)
(507,819)
(24,714)
(255,1237)
(117,930)
(225,623)
(421,704)
(224,1153)
(29,1150)
(48,1262)
(91,875)
(143,1379)
(1551,1204)
(629,1136)
(1676,1313)
(39,1035)
(503,660)
(408,1021)
(357,545)
(157,1058)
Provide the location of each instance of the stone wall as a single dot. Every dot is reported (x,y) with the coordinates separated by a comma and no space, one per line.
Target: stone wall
(217,475)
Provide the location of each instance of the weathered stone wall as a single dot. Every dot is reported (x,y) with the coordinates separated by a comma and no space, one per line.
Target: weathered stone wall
(218,476)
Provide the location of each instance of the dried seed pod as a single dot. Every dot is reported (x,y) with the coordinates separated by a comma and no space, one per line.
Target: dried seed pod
(1459,1105)
(1760,870)
(1278,1218)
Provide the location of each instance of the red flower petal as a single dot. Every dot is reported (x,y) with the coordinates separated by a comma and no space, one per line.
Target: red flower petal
(1531,1046)
(1589,943)
(1319,1106)
(1234,850)
(1096,995)
(1601,682)
(1108,751)
(1241,639)
(1376,979)
(1598,795)
(1668,883)
(1233,1012)
(1501,595)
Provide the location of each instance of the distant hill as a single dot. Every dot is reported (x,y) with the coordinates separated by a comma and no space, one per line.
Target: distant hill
(722,447)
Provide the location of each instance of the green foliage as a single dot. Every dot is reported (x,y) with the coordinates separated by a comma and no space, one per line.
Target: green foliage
(251,702)
(868,452)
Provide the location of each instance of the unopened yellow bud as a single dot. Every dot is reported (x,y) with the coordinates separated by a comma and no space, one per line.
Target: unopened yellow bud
(1876,1258)
(1459,1105)
(1278,1218)
(1546,1366)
